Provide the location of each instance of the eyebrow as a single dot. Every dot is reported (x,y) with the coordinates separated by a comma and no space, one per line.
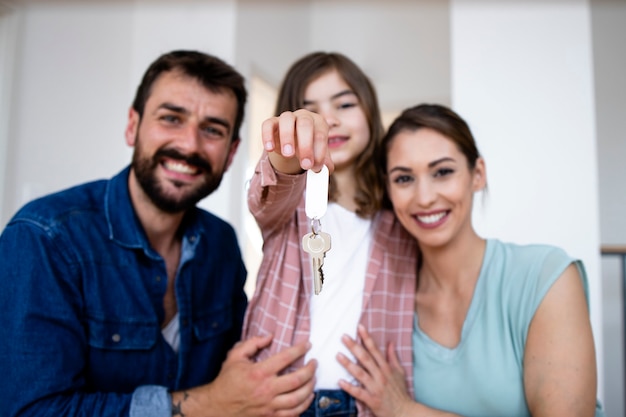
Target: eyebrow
(440,160)
(401,169)
(334,96)
(181,110)
(430,164)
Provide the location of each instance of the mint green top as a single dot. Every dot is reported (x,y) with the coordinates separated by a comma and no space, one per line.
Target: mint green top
(483,376)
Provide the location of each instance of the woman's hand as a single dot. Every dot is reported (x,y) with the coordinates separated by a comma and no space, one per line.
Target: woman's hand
(382,381)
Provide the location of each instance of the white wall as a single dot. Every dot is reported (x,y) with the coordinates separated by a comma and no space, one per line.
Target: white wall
(404,46)
(68,111)
(523,78)
(76,72)
(8,35)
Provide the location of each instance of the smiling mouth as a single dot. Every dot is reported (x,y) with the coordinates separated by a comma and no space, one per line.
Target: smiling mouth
(180,167)
(431,219)
(337,140)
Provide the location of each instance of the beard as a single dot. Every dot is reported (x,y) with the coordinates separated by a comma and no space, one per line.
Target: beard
(145,168)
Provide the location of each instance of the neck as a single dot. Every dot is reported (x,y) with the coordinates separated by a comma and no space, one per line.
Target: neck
(454,266)
(346,188)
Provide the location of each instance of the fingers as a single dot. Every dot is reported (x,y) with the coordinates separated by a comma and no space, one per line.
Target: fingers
(372,349)
(248,348)
(299,409)
(393,359)
(371,366)
(305,126)
(355,391)
(321,155)
(360,371)
(297,389)
(281,360)
(303,377)
(269,134)
(300,136)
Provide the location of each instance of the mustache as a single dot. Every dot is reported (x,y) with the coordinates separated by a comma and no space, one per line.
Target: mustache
(193,159)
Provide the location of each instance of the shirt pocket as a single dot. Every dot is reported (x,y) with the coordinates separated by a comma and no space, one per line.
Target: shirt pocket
(213,324)
(112,334)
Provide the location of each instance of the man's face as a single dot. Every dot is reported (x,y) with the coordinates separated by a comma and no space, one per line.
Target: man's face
(182,142)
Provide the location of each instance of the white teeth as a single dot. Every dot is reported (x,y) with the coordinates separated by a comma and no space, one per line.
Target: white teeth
(431,218)
(180,167)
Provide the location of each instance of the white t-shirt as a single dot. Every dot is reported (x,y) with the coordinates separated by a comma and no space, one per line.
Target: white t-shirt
(171,332)
(336,310)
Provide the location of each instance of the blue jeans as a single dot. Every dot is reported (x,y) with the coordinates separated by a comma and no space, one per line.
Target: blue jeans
(335,403)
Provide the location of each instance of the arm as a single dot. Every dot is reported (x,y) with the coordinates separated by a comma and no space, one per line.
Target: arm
(273,197)
(382,381)
(244,388)
(559,359)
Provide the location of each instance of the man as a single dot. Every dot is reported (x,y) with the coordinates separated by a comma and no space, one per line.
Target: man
(120,297)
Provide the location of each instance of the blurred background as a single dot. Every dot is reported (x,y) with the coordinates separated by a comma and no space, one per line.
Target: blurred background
(541,82)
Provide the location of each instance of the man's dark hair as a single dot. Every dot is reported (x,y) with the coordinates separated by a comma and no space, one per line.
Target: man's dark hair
(213,73)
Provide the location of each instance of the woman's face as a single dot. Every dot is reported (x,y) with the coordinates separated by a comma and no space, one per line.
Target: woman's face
(330,96)
(431,186)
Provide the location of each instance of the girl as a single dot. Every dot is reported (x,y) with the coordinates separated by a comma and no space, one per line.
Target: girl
(369,272)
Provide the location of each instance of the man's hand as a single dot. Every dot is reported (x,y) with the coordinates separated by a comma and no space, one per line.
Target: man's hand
(297,141)
(245,388)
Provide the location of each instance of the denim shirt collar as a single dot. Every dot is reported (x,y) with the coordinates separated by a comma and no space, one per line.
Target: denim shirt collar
(124,226)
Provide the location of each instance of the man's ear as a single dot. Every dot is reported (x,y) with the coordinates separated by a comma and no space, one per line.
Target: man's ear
(480,175)
(231,153)
(132,126)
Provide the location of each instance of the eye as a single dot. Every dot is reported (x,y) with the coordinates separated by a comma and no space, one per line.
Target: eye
(442,172)
(347,105)
(213,131)
(170,118)
(402,179)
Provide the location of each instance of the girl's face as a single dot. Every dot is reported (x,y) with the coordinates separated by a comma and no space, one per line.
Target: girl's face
(349,134)
(431,186)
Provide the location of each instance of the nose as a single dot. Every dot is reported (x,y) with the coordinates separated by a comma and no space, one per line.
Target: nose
(189,138)
(332,121)
(330,116)
(425,193)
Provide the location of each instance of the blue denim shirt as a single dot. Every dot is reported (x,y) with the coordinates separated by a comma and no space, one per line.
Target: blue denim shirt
(81,301)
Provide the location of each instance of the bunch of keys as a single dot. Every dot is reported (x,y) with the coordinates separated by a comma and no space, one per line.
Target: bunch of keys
(316,243)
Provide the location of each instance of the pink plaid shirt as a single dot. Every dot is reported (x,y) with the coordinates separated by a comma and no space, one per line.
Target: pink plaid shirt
(280,305)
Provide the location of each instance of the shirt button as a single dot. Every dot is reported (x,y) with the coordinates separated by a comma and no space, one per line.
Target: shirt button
(158,278)
(214,324)
(184,322)
(116,338)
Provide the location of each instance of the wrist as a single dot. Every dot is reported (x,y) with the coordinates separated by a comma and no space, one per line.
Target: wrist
(195,402)
(190,403)
(289,166)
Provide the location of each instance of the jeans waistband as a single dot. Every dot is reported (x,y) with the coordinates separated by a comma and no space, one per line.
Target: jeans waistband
(335,403)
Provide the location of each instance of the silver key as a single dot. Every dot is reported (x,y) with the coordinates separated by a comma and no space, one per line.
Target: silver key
(317,244)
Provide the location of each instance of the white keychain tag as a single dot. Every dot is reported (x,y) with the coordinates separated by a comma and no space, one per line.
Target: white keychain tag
(316,198)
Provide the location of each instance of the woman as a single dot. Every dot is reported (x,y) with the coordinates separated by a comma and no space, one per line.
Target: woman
(500,329)
(369,272)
